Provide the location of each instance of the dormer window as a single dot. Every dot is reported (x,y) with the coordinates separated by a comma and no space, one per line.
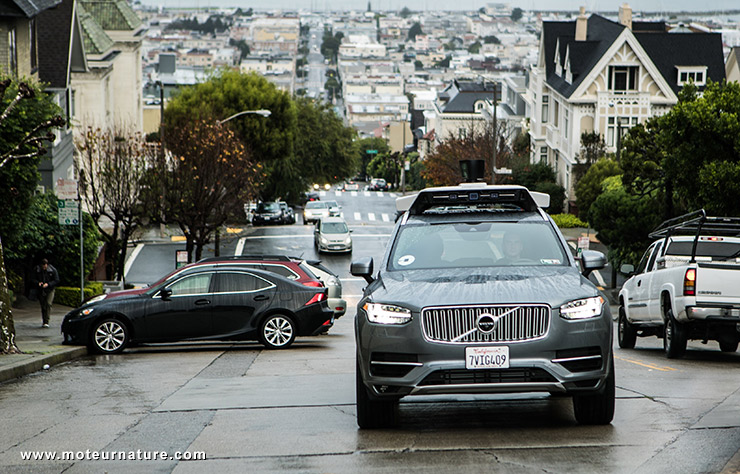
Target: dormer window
(695,74)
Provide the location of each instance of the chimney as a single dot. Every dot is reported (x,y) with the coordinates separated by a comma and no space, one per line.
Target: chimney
(625,15)
(581,25)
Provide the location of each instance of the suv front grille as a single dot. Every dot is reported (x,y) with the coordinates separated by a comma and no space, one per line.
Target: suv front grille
(458,324)
(487,376)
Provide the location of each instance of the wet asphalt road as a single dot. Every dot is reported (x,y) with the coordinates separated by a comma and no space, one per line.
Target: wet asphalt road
(252,410)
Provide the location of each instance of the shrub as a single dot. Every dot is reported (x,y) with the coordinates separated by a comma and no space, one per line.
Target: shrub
(70,296)
(567,221)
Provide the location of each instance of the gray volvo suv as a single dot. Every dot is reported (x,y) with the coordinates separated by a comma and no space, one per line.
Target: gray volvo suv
(479,293)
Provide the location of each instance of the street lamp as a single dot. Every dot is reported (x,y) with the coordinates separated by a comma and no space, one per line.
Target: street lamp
(262,112)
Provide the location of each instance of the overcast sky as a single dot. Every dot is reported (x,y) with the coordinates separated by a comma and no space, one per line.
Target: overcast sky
(423,5)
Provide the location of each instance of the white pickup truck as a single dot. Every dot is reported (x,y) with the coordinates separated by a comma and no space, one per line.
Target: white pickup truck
(686,286)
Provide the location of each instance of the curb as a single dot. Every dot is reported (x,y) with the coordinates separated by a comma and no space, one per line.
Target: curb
(36,362)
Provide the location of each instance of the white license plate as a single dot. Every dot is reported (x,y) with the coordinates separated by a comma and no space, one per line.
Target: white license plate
(487,357)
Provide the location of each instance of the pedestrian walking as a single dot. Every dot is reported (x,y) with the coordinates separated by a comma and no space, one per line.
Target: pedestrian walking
(45,280)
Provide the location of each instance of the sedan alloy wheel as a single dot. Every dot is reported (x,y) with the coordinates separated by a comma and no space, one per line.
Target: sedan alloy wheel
(109,336)
(277,332)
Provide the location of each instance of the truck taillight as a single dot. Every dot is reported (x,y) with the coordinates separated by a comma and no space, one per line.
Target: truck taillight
(689,282)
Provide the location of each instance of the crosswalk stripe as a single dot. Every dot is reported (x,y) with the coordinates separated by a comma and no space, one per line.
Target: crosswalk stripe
(354,193)
(371,216)
(338,193)
(358,217)
(366,194)
(386,217)
(380,193)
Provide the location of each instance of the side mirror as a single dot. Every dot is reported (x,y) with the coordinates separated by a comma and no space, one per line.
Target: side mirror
(591,260)
(165,293)
(627,269)
(363,267)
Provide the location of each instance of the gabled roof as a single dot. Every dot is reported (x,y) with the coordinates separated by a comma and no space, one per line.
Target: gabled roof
(95,39)
(25,8)
(583,55)
(666,50)
(113,14)
(55,28)
(463,96)
(669,50)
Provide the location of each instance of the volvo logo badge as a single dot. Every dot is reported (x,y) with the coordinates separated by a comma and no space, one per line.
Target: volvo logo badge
(486,323)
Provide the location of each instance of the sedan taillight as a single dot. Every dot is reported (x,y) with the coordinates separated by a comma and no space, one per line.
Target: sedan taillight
(313,283)
(316,298)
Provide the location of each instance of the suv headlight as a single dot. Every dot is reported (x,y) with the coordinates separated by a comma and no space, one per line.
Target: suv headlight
(582,309)
(386,313)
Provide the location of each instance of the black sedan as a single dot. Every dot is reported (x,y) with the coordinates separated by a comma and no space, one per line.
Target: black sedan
(203,303)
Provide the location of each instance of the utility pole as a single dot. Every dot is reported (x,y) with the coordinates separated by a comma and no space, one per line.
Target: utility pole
(495,136)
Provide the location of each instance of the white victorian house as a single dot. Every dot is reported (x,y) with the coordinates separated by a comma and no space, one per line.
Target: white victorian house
(597,75)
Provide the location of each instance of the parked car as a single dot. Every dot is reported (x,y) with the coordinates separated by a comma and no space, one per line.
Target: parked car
(478,293)
(378,184)
(351,186)
(288,214)
(315,210)
(332,235)
(333,284)
(269,213)
(203,302)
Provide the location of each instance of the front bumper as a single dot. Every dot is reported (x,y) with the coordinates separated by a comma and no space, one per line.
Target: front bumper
(396,361)
(335,247)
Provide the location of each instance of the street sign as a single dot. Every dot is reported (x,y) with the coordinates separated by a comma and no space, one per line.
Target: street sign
(583,243)
(371,152)
(181,258)
(68,212)
(66,188)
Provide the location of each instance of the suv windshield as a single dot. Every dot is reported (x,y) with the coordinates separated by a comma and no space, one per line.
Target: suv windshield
(461,245)
(316,205)
(268,207)
(334,228)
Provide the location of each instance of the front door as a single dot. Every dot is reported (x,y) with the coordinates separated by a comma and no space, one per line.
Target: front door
(185,313)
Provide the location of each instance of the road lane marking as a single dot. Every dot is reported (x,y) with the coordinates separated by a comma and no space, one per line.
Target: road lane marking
(371,216)
(649,366)
(358,217)
(338,193)
(131,258)
(386,217)
(599,278)
(366,194)
(380,193)
(353,193)
(240,246)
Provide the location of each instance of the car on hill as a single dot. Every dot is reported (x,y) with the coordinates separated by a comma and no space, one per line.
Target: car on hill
(272,212)
(351,186)
(224,301)
(315,210)
(378,184)
(478,293)
(332,235)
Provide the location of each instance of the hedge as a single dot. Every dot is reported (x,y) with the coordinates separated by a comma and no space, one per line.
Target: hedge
(567,221)
(70,296)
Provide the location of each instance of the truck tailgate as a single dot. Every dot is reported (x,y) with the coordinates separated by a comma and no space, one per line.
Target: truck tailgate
(718,284)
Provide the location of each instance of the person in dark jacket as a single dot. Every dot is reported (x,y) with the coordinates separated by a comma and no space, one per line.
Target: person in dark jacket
(45,280)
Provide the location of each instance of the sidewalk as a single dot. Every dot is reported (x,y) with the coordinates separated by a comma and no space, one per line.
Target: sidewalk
(40,346)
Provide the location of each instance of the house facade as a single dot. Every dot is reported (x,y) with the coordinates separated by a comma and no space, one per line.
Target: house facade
(597,75)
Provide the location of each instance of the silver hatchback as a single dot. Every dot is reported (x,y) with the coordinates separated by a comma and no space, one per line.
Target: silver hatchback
(332,235)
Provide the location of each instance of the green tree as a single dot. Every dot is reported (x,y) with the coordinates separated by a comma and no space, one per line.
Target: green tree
(592,149)
(323,145)
(414,31)
(491,40)
(516,14)
(44,237)
(623,221)
(589,187)
(360,148)
(27,116)
(228,92)
(405,12)
(701,137)
(540,177)
(474,48)
(445,63)
(241,45)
